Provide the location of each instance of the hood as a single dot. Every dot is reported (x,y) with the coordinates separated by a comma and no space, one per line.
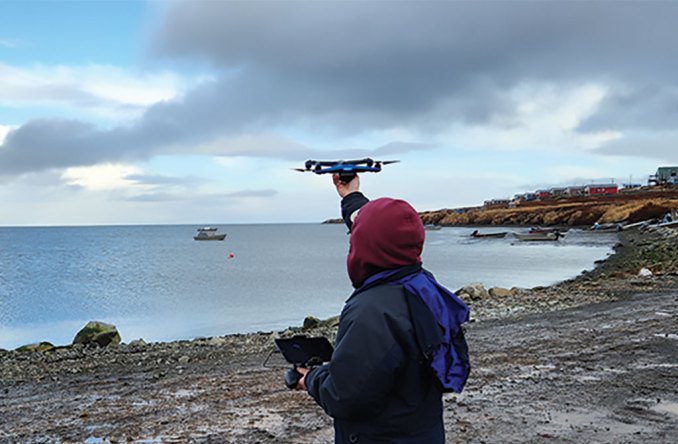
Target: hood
(386,234)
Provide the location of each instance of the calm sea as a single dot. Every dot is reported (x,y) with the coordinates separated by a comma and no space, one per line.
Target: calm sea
(157,283)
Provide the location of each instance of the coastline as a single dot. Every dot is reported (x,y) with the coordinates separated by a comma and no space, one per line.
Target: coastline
(217,389)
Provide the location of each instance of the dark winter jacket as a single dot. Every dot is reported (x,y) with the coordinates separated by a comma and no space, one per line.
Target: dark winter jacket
(378,388)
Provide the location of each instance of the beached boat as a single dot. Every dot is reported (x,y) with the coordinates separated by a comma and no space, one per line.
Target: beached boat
(538,236)
(478,234)
(604,228)
(669,224)
(209,233)
(535,230)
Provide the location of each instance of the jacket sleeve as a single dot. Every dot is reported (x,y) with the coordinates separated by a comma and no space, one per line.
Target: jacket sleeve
(350,205)
(363,369)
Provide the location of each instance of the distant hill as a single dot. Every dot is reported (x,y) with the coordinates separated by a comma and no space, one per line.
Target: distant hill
(629,207)
(582,211)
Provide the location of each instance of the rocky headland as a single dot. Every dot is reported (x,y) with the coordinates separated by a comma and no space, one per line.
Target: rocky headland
(591,359)
(564,212)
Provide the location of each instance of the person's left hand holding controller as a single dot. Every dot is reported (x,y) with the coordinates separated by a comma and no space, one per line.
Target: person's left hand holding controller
(301,385)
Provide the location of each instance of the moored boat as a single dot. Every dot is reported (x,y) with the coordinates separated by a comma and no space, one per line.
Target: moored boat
(478,234)
(209,233)
(535,230)
(538,236)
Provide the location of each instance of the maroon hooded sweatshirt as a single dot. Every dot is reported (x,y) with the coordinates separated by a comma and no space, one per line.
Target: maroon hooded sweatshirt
(386,234)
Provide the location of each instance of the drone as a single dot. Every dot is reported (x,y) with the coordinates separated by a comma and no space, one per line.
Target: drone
(346,169)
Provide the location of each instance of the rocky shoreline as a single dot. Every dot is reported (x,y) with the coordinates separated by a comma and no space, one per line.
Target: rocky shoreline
(217,390)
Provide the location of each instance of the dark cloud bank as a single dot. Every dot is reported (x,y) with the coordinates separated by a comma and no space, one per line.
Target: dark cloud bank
(347,67)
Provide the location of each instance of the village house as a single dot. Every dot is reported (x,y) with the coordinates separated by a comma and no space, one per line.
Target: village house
(558,192)
(497,203)
(601,189)
(664,175)
(543,194)
(525,197)
(575,191)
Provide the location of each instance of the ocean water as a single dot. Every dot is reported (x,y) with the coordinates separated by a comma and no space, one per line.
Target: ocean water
(157,283)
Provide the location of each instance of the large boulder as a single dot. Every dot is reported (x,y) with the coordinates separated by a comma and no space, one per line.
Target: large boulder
(98,333)
(311,323)
(473,292)
(499,292)
(39,347)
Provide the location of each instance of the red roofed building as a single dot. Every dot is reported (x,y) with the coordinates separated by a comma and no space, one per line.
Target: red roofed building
(601,189)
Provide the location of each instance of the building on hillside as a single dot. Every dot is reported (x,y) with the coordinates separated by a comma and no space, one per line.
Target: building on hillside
(601,189)
(558,192)
(497,203)
(668,174)
(631,186)
(575,191)
(543,194)
(525,197)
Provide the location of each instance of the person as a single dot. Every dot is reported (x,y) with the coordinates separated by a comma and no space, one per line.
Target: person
(381,385)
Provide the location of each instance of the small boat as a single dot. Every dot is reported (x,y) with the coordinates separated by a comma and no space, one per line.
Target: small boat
(536,230)
(670,224)
(607,227)
(431,227)
(209,233)
(478,234)
(538,236)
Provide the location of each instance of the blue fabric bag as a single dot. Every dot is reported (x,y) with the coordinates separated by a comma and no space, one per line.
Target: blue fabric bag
(445,346)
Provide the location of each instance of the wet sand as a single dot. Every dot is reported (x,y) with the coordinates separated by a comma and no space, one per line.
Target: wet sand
(594,359)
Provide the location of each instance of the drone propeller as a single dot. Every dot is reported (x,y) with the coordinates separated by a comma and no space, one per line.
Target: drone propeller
(379,163)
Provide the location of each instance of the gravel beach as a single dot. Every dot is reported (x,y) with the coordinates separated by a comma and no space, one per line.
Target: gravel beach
(592,359)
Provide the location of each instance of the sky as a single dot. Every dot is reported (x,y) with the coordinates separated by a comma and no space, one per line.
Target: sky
(195,112)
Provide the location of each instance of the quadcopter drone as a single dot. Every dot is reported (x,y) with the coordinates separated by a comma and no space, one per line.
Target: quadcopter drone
(347,169)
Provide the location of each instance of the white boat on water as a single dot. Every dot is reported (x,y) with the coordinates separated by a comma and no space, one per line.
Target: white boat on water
(209,233)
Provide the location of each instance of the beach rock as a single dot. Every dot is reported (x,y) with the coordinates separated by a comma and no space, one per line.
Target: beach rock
(137,343)
(474,292)
(39,347)
(99,333)
(644,272)
(311,323)
(498,292)
(217,341)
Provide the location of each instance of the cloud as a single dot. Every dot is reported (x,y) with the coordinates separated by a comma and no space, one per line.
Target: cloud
(212,198)
(10,43)
(660,145)
(101,177)
(163,180)
(637,107)
(250,193)
(107,90)
(285,71)
(404,58)
(4,130)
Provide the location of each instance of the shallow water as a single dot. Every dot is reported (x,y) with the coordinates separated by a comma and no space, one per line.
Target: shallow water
(157,283)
